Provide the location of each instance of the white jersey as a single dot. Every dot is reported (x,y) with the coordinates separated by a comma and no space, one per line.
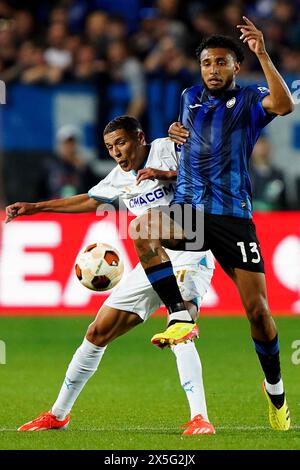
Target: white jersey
(149,193)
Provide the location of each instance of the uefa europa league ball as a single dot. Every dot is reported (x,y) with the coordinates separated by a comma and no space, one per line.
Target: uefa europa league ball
(99,267)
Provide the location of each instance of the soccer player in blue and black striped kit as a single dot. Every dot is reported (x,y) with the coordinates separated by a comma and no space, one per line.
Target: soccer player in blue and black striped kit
(219,125)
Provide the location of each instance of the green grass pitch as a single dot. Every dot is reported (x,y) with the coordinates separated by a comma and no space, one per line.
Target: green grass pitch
(135,400)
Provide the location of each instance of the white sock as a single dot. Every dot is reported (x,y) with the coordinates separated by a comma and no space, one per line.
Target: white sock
(182,315)
(190,374)
(275,389)
(82,366)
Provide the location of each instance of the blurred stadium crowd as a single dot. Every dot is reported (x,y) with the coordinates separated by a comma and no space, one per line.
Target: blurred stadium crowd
(133,41)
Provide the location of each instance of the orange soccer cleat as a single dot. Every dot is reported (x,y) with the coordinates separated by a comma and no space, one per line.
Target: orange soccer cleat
(198,425)
(44,422)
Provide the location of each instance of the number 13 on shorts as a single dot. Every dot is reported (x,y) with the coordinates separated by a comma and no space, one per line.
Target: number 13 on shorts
(253,252)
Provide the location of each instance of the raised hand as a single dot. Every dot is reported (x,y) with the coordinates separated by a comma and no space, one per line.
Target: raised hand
(252,36)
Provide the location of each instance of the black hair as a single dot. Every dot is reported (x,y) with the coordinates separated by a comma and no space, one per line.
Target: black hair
(223,42)
(128,123)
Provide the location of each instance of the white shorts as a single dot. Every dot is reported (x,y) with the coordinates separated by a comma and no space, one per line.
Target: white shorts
(135,294)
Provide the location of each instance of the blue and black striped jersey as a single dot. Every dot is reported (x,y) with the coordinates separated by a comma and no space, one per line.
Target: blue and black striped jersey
(214,162)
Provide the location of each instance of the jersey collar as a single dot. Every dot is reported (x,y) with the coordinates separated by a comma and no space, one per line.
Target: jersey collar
(227,94)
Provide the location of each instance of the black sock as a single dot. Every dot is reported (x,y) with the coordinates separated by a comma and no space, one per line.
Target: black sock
(277,400)
(164,283)
(268,354)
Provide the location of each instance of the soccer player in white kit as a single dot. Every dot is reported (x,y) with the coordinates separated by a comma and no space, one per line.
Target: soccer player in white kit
(143,179)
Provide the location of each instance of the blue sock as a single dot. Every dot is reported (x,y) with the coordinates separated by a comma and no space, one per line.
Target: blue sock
(164,283)
(268,354)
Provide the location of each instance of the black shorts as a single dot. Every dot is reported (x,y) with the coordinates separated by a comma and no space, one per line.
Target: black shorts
(232,240)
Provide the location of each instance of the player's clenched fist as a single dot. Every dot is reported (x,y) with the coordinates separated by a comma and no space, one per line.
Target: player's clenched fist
(20,208)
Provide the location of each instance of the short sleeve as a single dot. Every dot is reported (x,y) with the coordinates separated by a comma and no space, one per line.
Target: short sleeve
(105,190)
(164,154)
(256,95)
(173,154)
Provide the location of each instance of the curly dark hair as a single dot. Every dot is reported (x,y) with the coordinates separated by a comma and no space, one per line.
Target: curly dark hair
(128,123)
(223,42)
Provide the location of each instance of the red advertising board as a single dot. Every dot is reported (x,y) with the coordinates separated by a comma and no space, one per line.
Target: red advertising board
(37,264)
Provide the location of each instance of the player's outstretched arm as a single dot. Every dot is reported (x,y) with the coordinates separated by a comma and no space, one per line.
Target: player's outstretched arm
(280,100)
(74,204)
